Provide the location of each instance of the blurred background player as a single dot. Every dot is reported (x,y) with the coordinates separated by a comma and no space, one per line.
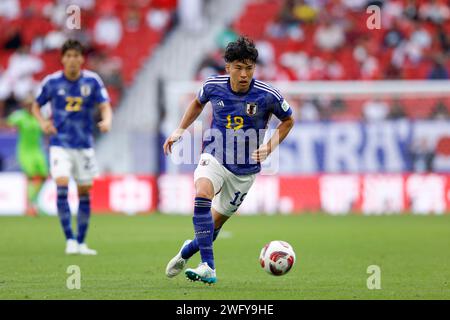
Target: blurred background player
(240,104)
(73,93)
(30,155)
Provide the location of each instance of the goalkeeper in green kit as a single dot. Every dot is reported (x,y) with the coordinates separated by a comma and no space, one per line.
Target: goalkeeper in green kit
(30,155)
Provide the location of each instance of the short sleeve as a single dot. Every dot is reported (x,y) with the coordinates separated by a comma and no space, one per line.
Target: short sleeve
(203,94)
(43,93)
(101,94)
(282,109)
(15,118)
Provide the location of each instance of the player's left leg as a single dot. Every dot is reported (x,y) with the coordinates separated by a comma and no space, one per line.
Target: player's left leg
(60,169)
(34,187)
(192,247)
(85,171)
(83,217)
(28,167)
(39,176)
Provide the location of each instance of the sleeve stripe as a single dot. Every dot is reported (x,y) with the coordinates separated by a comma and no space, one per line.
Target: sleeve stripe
(214,82)
(95,76)
(276,92)
(49,77)
(270,91)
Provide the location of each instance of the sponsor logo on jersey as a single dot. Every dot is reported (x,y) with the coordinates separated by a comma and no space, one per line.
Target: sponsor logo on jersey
(221,104)
(204,162)
(61,92)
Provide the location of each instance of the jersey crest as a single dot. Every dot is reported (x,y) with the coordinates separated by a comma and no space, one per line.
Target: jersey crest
(252,108)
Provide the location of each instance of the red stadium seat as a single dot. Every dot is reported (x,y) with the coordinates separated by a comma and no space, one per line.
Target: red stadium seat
(443,146)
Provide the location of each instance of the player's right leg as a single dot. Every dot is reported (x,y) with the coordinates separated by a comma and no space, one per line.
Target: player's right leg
(208,178)
(60,169)
(203,230)
(190,247)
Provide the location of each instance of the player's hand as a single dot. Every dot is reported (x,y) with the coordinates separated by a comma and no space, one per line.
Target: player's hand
(261,154)
(174,137)
(104,126)
(48,127)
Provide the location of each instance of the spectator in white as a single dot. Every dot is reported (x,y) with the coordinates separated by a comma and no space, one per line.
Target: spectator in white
(420,37)
(108,30)
(85,5)
(157,19)
(9,9)
(266,52)
(309,111)
(190,13)
(298,62)
(436,11)
(392,11)
(329,36)
(335,70)
(375,110)
(354,5)
(370,68)
(18,77)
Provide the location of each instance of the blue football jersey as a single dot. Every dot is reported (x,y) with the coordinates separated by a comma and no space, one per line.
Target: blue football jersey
(239,121)
(73,107)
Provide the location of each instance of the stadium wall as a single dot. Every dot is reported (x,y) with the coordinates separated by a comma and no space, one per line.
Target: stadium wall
(336,194)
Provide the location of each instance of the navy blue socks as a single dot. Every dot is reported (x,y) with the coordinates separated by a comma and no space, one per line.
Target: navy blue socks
(192,248)
(64,211)
(204,229)
(84,212)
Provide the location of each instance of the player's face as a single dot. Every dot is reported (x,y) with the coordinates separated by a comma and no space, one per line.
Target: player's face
(241,74)
(72,61)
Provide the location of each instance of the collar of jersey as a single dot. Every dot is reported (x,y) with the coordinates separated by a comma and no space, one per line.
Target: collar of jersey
(73,81)
(240,93)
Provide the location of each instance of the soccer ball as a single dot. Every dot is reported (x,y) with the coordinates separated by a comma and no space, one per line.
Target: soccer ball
(277,257)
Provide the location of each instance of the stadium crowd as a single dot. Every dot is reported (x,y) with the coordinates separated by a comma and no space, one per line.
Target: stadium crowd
(330,40)
(34,30)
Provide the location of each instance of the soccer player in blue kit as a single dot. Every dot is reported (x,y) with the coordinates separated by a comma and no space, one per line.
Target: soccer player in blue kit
(74,94)
(240,104)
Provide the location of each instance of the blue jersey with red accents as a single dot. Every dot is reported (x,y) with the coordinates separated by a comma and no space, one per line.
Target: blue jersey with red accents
(239,121)
(73,107)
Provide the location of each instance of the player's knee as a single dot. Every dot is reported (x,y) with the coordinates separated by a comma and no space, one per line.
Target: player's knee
(84,190)
(62,181)
(204,194)
(204,188)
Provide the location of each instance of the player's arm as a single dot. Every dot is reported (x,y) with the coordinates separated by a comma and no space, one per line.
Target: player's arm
(106,113)
(281,132)
(46,124)
(192,113)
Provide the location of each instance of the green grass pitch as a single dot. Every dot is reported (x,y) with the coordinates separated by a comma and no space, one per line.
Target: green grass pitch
(333,254)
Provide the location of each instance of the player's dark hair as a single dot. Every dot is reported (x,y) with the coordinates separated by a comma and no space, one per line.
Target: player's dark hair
(72,45)
(243,49)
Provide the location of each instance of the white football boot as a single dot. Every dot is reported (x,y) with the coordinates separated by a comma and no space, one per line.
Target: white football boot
(84,250)
(177,264)
(203,273)
(72,247)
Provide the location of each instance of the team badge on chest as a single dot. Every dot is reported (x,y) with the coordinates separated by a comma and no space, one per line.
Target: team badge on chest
(252,108)
(85,90)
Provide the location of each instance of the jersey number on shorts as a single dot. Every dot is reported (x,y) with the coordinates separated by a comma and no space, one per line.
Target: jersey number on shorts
(237,124)
(73,104)
(238,199)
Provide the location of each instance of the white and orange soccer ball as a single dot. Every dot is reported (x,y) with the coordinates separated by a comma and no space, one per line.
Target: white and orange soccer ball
(277,257)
